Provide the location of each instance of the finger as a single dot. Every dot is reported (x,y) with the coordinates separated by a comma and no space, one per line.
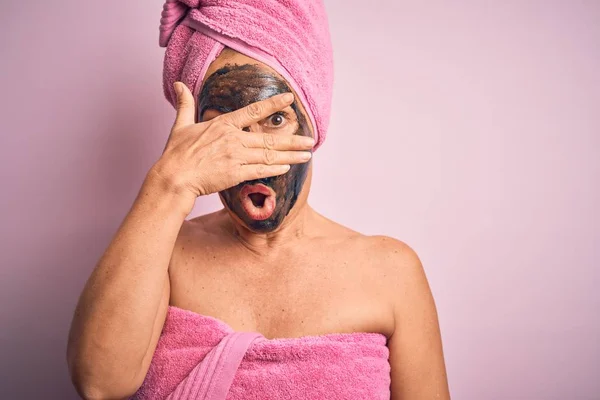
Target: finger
(276,142)
(186,112)
(275,157)
(257,111)
(258,171)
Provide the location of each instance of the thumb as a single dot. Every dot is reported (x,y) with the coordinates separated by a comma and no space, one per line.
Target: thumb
(186,112)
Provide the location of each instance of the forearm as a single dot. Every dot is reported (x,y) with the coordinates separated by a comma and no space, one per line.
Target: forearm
(114,319)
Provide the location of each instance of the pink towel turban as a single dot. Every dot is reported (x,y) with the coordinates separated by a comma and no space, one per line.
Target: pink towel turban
(290,36)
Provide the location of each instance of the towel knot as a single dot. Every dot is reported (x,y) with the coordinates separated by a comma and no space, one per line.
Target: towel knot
(173,12)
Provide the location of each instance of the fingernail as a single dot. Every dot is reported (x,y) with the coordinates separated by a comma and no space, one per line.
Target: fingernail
(309,141)
(178,88)
(288,97)
(306,155)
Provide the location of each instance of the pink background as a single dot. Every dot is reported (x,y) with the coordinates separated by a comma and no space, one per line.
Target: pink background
(469,130)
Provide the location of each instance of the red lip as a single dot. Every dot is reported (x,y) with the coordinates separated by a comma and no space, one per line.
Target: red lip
(255,212)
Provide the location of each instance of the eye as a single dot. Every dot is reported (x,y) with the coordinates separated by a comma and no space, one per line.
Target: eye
(277,120)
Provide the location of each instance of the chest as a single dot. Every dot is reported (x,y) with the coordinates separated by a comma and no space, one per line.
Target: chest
(293,295)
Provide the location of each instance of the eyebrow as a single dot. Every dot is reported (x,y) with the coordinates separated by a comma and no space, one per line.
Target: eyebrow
(209,106)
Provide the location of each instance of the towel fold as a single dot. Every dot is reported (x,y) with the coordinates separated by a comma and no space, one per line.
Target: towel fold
(292,37)
(333,366)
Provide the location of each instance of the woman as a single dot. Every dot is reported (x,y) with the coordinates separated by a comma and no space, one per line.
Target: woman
(265,298)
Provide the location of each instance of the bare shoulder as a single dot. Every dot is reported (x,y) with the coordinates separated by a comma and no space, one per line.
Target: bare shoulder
(390,254)
(393,253)
(405,280)
(391,262)
(200,235)
(204,226)
(388,246)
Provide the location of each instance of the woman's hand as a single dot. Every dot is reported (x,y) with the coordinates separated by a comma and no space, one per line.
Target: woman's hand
(207,157)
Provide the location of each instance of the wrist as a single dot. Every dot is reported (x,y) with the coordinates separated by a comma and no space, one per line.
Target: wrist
(176,197)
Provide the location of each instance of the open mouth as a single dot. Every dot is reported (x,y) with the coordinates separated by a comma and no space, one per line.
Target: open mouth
(258,201)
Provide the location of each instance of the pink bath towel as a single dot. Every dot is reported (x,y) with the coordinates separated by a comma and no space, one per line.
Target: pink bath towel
(290,36)
(201,357)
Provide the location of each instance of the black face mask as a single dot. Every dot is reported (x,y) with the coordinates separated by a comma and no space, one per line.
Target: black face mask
(233,87)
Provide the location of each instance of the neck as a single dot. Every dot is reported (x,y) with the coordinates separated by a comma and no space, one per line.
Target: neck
(291,230)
